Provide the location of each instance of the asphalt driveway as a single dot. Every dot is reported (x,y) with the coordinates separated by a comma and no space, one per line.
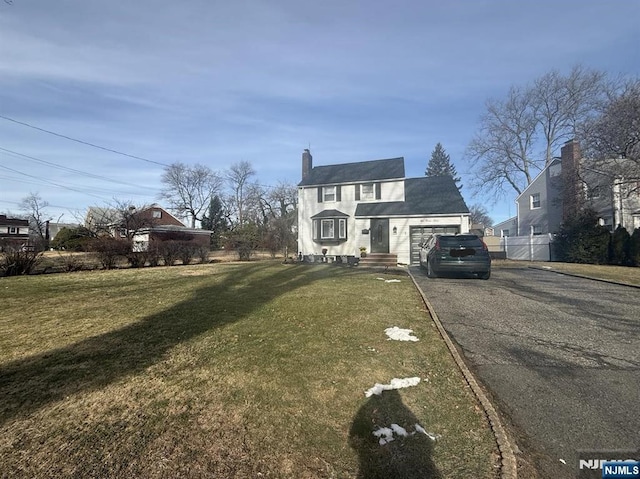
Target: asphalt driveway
(559,355)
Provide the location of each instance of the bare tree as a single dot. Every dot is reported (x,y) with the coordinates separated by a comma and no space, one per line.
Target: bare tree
(189,189)
(612,140)
(562,103)
(35,209)
(238,177)
(502,152)
(478,215)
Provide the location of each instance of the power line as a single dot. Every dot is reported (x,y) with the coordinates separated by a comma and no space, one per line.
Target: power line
(81,141)
(50,182)
(73,170)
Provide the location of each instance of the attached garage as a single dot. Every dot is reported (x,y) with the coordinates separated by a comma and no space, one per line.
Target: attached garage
(420,234)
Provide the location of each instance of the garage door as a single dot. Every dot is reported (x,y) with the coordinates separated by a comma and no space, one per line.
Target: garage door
(420,234)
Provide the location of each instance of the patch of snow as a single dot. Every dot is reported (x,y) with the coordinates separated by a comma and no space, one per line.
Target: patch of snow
(398,334)
(563,461)
(393,281)
(396,383)
(386,434)
(381,279)
(430,435)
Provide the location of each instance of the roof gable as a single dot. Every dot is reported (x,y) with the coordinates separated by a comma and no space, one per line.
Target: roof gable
(375,170)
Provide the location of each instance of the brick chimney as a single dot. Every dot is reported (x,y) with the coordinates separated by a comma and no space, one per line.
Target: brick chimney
(573,199)
(307,164)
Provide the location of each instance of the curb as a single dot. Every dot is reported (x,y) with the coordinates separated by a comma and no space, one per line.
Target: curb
(508,463)
(610,281)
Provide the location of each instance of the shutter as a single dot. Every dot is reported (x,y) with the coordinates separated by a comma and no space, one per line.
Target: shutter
(357,192)
(338,193)
(378,191)
(319,194)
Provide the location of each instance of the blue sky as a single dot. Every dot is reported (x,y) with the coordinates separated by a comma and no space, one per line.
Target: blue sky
(213,82)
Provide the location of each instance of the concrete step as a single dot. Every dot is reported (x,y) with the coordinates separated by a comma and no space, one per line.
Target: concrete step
(379,259)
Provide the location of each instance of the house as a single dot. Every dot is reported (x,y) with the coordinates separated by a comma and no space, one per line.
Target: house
(569,182)
(507,227)
(143,226)
(14,232)
(372,205)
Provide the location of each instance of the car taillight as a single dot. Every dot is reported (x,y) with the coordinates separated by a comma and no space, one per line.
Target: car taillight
(437,247)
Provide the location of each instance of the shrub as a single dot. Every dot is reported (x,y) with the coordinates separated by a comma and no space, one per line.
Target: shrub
(634,248)
(582,240)
(71,263)
(109,250)
(16,262)
(137,259)
(72,239)
(186,251)
(169,251)
(244,240)
(620,244)
(202,252)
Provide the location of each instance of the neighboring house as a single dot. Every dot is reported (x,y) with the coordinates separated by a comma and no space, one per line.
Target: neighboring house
(371,204)
(153,223)
(506,228)
(568,182)
(14,232)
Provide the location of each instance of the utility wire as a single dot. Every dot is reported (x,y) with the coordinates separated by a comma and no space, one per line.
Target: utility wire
(73,170)
(50,182)
(81,141)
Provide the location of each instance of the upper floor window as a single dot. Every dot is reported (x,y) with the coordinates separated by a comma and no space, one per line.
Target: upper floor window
(505,233)
(535,200)
(329,193)
(536,230)
(13,230)
(157,214)
(367,192)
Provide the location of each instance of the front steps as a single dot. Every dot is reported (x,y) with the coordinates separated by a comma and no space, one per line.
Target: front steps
(377,260)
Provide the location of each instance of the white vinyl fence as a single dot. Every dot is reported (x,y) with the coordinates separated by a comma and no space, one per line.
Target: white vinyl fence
(528,248)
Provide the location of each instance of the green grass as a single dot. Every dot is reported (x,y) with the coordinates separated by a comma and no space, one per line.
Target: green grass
(621,274)
(227,370)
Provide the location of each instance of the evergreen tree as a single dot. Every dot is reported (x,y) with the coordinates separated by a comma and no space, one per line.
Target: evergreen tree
(216,221)
(440,165)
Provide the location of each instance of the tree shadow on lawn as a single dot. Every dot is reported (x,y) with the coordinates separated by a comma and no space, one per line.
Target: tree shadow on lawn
(28,384)
(391,455)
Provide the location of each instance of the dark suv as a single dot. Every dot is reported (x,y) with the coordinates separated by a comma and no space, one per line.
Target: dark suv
(464,253)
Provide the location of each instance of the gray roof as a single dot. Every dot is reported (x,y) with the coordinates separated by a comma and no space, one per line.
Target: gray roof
(330,214)
(375,170)
(435,195)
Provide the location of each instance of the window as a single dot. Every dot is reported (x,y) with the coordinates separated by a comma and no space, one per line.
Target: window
(332,230)
(505,233)
(157,214)
(13,230)
(327,229)
(329,193)
(367,192)
(535,200)
(536,230)
(342,229)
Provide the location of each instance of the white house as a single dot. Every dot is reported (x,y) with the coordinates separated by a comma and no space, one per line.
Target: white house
(371,204)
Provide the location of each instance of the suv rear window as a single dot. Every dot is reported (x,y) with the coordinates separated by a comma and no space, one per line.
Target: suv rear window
(460,240)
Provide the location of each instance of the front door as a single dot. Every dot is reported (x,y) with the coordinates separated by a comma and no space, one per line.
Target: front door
(380,236)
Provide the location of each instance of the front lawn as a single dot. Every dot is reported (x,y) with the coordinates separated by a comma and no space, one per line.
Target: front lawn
(229,370)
